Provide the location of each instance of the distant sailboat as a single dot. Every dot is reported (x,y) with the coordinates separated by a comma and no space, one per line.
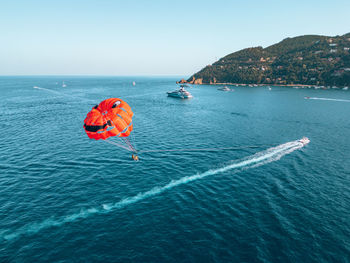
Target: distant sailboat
(133,83)
(63,85)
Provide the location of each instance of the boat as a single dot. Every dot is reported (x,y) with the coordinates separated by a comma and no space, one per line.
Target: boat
(345,88)
(225,89)
(270,88)
(133,83)
(63,85)
(181,93)
(304,140)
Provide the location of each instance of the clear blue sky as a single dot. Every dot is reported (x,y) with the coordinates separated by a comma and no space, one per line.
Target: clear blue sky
(112,37)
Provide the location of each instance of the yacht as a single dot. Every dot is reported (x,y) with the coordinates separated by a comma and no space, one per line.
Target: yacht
(181,93)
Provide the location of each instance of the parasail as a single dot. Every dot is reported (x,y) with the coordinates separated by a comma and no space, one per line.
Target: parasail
(111,118)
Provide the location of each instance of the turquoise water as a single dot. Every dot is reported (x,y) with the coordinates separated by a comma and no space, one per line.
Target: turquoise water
(66,198)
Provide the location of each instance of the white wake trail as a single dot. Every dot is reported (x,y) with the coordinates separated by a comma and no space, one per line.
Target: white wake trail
(258,159)
(90,100)
(315,98)
(64,94)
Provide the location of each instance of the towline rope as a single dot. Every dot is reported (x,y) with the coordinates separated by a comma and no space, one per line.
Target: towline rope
(133,149)
(188,149)
(118,145)
(201,149)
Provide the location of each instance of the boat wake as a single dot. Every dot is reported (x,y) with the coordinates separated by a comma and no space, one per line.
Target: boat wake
(315,98)
(90,100)
(64,94)
(50,90)
(258,159)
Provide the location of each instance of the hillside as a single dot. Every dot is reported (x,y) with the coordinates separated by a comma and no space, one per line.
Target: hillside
(303,60)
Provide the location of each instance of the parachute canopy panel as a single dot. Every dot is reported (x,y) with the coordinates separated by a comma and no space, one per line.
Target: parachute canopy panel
(112,117)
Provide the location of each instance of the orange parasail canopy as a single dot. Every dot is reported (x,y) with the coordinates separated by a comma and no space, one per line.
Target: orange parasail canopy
(112,117)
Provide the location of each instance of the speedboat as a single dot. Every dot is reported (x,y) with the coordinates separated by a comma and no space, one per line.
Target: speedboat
(304,140)
(225,89)
(181,93)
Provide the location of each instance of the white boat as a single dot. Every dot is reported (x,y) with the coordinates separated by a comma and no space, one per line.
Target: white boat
(345,88)
(304,140)
(225,89)
(63,85)
(181,93)
(270,88)
(133,83)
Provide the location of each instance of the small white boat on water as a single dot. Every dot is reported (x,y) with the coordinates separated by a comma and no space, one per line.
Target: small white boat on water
(134,83)
(63,85)
(181,93)
(225,89)
(304,140)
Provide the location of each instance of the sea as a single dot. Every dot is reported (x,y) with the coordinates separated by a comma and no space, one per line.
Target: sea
(222,177)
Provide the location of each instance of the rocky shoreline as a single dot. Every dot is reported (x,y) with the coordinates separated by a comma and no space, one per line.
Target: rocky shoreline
(200,82)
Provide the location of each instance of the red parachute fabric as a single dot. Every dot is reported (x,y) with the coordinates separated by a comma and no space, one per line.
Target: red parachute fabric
(112,117)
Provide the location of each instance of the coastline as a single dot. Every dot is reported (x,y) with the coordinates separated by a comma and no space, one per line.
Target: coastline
(257,85)
(266,85)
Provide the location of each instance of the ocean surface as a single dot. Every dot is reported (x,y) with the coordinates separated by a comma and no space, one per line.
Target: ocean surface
(66,198)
